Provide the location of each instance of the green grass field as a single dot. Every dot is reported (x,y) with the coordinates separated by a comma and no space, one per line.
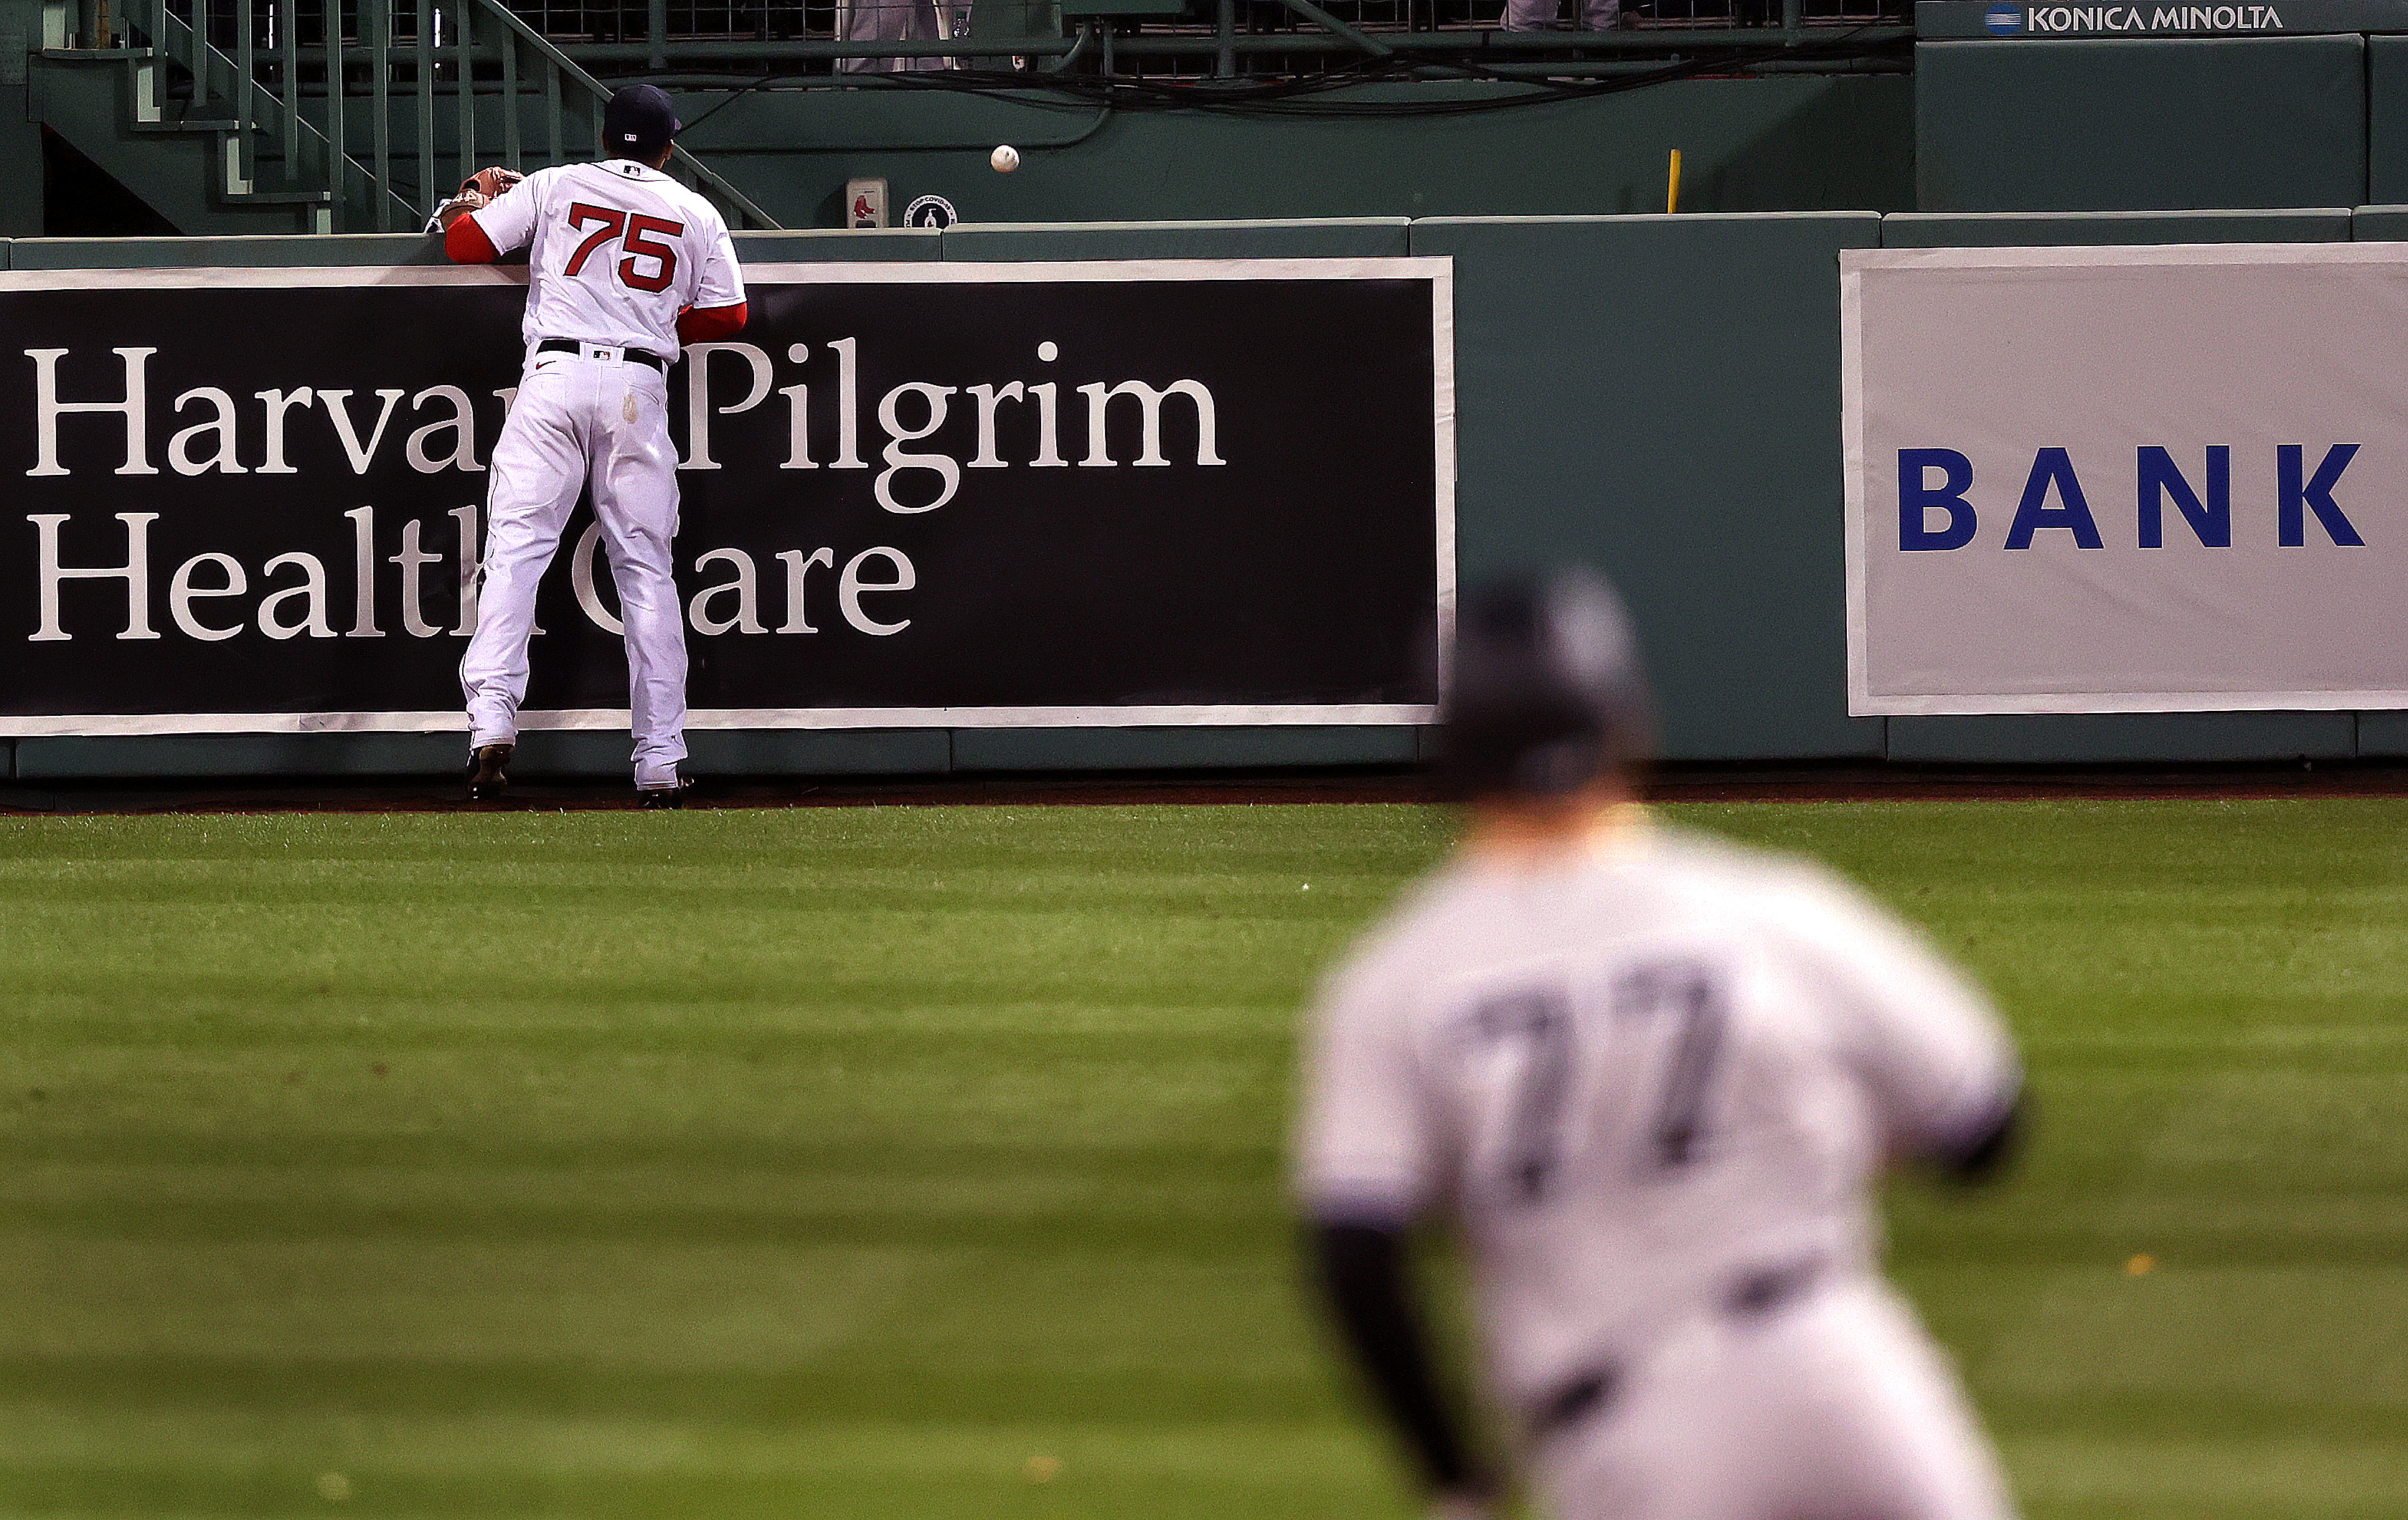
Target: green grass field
(924,1163)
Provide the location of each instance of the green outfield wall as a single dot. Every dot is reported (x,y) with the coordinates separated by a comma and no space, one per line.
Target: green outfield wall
(2220,122)
(1786,142)
(1654,395)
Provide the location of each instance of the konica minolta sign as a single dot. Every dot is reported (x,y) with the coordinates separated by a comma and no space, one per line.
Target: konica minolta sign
(2016,19)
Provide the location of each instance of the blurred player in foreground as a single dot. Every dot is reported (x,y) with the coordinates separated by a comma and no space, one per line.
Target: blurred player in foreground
(1653,1078)
(624,266)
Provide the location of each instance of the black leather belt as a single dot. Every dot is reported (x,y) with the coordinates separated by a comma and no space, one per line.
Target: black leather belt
(633,356)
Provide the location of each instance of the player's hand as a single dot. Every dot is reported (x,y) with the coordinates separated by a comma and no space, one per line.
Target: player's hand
(487,185)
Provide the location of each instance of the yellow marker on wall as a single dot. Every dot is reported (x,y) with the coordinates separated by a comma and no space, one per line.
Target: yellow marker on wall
(1672,185)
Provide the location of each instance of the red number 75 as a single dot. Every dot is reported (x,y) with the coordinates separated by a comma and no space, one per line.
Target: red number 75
(632,232)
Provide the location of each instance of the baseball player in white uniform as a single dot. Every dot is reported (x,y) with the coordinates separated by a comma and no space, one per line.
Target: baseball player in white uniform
(1652,1077)
(625,265)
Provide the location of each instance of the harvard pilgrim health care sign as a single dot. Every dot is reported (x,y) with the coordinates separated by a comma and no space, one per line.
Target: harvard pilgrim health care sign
(914,495)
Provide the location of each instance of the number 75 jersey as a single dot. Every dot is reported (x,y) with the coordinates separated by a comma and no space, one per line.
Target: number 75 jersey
(1636,1077)
(615,251)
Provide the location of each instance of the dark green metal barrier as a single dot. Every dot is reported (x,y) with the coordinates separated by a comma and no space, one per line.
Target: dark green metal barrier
(2093,228)
(1788,143)
(1329,237)
(2155,125)
(2387,119)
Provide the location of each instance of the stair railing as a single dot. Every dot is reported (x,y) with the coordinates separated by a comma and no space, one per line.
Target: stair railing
(372,110)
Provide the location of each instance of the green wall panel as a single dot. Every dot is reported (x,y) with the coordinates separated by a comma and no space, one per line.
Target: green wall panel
(2155,125)
(2046,229)
(1659,396)
(833,245)
(812,752)
(1181,748)
(1654,395)
(811,247)
(2382,735)
(1775,143)
(21,162)
(1324,237)
(270,251)
(2379,223)
(2106,738)
(2387,119)
(241,754)
(582,752)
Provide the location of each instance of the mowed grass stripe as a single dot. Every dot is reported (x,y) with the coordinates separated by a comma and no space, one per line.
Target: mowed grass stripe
(843,1162)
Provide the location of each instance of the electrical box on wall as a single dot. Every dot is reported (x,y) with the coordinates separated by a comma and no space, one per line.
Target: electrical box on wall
(864,203)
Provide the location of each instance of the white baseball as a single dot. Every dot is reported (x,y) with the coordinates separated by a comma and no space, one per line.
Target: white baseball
(1004,158)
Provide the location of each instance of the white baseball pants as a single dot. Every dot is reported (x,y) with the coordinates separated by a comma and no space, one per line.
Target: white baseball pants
(1833,1407)
(578,422)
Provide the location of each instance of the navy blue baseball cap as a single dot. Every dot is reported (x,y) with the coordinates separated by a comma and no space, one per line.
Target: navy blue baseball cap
(638,122)
(1546,693)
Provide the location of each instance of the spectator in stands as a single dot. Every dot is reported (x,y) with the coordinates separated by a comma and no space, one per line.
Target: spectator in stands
(1542,15)
(889,21)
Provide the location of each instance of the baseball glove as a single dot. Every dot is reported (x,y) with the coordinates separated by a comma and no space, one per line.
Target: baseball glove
(487,185)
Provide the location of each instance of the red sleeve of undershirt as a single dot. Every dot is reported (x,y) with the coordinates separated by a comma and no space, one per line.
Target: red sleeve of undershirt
(707,324)
(465,242)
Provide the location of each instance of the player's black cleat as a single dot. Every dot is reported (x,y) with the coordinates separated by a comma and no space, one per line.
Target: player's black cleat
(487,768)
(657,797)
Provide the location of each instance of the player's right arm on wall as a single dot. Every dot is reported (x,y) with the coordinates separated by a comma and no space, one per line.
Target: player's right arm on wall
(718,309)
(709,324)
(463,241)
(485,219)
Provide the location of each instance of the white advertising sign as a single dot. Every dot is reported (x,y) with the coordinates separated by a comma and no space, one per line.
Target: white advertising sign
(2126,479)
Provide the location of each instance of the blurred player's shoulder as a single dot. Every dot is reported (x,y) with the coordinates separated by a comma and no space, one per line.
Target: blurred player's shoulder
(1651,868)
(1747,875)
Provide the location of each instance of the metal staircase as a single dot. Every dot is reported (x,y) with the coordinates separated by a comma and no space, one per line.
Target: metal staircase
(323,116)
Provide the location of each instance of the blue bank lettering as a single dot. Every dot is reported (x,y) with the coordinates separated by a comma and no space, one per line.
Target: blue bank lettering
(1916,497)
(1935,508)
(2294,500)
(2160,477)
(2050,467)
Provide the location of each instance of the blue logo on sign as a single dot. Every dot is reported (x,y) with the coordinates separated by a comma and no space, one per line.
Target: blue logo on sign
(2003,20)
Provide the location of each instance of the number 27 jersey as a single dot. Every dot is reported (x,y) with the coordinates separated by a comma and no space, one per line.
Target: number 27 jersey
(615,252)
(1637,1078)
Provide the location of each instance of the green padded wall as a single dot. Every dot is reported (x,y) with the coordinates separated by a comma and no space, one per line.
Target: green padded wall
(2382,735)
(2106,738)
(1658,396)
(1324,237)
(285,252)
(2091,229)
(21,169)
(888,244)
(2140,126)
(1775,143)
(2387,119)
(2379,223)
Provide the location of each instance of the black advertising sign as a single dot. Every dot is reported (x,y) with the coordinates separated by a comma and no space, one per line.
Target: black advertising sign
(914,495)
